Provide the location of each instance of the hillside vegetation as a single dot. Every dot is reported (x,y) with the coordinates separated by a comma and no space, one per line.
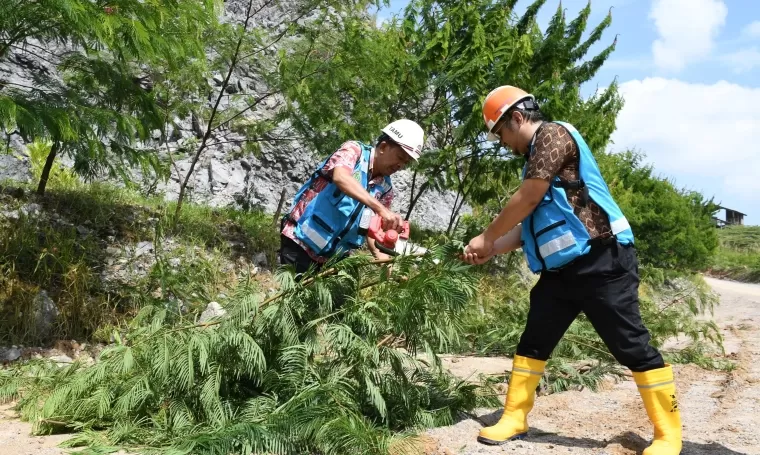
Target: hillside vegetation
(198,342)
(738,257)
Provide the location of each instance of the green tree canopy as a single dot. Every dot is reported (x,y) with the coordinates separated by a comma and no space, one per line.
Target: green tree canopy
(435,64)
(97,100)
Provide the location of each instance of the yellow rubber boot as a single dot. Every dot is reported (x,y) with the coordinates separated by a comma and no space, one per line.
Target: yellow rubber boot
(526,374)
(658,390)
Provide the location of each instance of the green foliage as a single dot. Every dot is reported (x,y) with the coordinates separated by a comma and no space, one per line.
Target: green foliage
(743,239)
(338,86)
(65,257)
(216,227)
(673,228)
(291,374)
(59,176)
(435,64)
(102,102)
(738,257)
(672,303)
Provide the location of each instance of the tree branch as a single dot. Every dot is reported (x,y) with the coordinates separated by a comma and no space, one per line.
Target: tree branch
(248,108)
(214,112)
(307,282)
(571,339)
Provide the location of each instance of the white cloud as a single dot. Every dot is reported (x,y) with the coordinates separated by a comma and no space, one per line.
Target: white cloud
(705,136)
(687,30)
(742,60)
(752,30)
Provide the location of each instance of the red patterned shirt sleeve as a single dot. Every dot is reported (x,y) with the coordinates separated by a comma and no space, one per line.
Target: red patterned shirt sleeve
(387,199)
(346,156)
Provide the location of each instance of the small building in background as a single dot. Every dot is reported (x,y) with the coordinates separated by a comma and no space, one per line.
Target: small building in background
(728,217)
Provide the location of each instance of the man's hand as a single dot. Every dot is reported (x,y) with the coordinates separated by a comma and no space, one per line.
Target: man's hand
(380,256)
(391,220)
(479,246)
(474,259)
(503,245)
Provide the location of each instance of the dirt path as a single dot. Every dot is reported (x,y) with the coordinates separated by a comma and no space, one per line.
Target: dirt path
(720,411)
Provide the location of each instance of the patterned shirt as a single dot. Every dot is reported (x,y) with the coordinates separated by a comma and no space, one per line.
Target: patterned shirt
(346,157)
(556,154)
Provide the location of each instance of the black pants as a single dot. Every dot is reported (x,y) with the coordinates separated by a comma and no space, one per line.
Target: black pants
(604,285)
(291,253)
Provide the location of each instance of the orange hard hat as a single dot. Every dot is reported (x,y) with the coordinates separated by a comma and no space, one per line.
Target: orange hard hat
(499,101)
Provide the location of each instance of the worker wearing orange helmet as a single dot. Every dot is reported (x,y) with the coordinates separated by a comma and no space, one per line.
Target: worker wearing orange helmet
(576,237)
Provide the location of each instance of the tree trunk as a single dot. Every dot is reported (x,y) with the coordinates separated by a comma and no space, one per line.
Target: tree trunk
(454,211)
(464,192)
(279,208)
(48,166)
(214,111)
(454,220)
(411,195)
(416,198)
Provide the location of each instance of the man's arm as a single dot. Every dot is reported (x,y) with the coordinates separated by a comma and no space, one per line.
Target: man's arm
(346,183)
(508,242)
(503,245)
(519,206)
(555,148)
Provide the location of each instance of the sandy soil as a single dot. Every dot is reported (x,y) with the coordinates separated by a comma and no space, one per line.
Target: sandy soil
(720,411)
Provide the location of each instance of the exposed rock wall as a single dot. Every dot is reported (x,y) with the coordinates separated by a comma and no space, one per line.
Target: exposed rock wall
(226,174)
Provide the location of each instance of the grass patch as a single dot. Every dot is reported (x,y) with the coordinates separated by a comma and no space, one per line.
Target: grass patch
(62,246)
(36,256)
(298,373)
(738,257)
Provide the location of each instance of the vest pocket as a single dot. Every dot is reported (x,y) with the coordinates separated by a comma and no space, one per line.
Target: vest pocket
(338,197)
(550,227)
(554,238)
(323,224)
(317,232)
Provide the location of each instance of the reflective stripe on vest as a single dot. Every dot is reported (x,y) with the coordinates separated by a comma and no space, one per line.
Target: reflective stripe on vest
(329,224)
(619,226)
(552,234)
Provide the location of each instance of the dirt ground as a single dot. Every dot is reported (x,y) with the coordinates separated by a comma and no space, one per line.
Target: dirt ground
(720,411)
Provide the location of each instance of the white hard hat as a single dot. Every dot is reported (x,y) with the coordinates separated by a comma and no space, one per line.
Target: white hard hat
(408,135)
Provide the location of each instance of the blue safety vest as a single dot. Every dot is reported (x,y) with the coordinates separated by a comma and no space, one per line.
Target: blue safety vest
(552,236)
(329,224)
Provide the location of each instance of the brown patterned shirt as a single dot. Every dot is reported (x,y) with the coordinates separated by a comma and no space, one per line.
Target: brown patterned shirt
(556,154)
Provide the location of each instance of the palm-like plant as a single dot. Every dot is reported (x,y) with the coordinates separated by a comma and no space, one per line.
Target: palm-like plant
(290,374)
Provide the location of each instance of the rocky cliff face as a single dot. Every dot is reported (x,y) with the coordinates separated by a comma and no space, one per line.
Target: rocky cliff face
(226,174)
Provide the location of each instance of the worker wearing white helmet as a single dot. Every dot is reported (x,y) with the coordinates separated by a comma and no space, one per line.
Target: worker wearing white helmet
(325,215)
(572,233)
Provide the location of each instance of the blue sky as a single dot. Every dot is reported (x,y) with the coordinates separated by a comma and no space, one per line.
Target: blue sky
(689,71)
